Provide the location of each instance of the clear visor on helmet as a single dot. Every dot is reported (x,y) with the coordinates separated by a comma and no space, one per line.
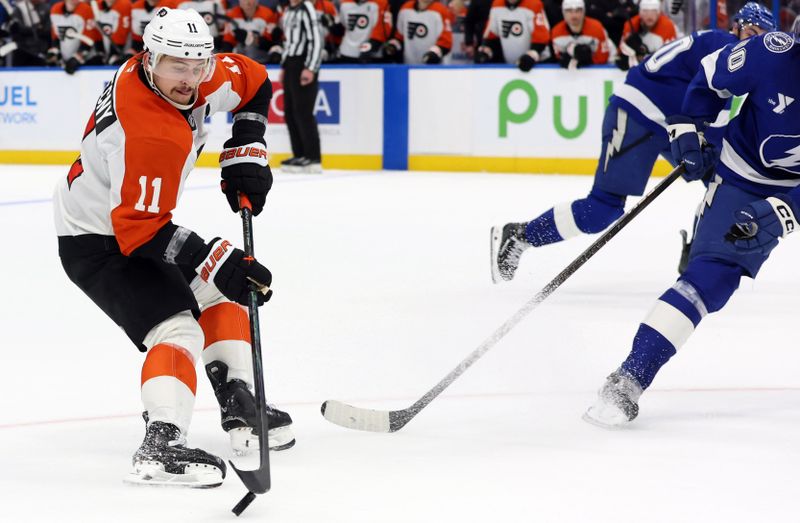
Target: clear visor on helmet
(192,71)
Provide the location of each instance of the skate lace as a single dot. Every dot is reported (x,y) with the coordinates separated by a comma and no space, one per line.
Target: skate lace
(514,250)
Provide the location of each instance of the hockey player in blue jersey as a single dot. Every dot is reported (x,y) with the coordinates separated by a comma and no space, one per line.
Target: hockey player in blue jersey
(634,134)
(752,201)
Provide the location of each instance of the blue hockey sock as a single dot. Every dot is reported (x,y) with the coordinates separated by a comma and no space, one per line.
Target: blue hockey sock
(650,352)
(542,230)
(665,329)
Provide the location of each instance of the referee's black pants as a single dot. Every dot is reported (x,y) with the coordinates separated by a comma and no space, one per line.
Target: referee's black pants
(298,106)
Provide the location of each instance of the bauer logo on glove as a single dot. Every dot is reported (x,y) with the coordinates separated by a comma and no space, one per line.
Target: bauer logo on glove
(245,153)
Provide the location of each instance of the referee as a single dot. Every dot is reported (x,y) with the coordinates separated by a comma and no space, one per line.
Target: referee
(301,59)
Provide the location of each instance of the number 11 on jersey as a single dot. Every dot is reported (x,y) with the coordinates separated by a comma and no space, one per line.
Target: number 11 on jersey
(153,207)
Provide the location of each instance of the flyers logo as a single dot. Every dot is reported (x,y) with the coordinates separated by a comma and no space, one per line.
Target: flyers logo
(511,27)
(357,21)
(107,29)
(75,171)
(162,12)
(417,30)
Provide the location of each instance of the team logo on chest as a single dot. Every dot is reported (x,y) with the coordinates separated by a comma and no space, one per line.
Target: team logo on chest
(511,27)
(417,30)
(781,151)
(357,21)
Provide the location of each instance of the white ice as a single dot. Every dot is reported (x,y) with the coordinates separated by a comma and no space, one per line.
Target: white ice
(382,286)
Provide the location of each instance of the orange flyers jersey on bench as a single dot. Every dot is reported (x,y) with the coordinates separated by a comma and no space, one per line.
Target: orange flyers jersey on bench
(421,30)
(114,21)
(212,11)
(138,149)
(142,13)
(662,33)
(363,21)
(263,22)
(517,27)
(593,34)
(69,27)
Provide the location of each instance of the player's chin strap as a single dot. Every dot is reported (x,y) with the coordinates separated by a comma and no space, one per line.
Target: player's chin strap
(148,73)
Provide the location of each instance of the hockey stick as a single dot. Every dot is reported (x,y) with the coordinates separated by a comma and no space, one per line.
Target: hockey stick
(257,481)
(371,420)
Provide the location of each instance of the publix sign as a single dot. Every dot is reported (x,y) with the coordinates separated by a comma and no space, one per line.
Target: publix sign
(520,102)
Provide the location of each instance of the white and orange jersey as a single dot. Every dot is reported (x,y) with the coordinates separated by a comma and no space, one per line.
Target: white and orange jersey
(663,32)
(421,30)
(363,21)
(114,21)
(263,23)
(141,14)
(518,27)
(212,11)
(593,34)
(138,149)
(73,28)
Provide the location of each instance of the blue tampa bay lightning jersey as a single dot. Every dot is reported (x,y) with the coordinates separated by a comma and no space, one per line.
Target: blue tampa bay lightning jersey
(760,149)
(655,88)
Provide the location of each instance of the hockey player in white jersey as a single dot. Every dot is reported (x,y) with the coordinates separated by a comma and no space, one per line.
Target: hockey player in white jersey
(175,295)
(367,27)
(517,33)
(423,34)
(751,204)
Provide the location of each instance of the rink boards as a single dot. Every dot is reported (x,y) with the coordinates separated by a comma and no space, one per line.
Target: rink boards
(488,118)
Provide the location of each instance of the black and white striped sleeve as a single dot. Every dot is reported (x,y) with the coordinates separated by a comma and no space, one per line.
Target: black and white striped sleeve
(313,33)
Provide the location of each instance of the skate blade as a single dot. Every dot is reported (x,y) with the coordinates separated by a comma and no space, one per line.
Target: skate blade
(243,442)
(153,474)
(494,247)
(605,417)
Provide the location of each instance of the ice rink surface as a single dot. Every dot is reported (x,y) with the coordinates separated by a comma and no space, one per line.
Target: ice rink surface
(381,287)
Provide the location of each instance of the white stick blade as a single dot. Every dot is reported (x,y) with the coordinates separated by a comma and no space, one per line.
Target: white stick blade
(355,418)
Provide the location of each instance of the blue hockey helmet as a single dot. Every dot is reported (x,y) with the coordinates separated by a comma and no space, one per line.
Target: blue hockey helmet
(756,14)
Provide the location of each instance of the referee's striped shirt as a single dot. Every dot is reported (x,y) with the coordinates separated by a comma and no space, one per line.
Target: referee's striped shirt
(303,34)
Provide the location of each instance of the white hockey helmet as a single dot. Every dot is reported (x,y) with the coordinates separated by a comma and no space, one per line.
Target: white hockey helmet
(181,33)
(650,5)
(573,4)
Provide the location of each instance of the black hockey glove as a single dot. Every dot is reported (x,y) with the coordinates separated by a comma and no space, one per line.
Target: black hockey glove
(634,42)
(432,57)
(245,170)
(72,65)
(623,62)
(583,54)
(327,20)
(564,60)
(391,48)
(240,35)
(526,62)
(367,51)
(231,272)
(275,55)
(337,30)
(483,55)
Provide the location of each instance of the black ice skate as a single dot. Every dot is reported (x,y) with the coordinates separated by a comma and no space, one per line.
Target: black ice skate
(507,245)
(617,401)
(163,459)
(238,409)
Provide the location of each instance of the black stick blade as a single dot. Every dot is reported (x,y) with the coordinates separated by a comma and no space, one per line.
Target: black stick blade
(244,503)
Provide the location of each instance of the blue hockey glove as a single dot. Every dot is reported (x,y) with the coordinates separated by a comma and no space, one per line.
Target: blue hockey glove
(686,146)
(759,225)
